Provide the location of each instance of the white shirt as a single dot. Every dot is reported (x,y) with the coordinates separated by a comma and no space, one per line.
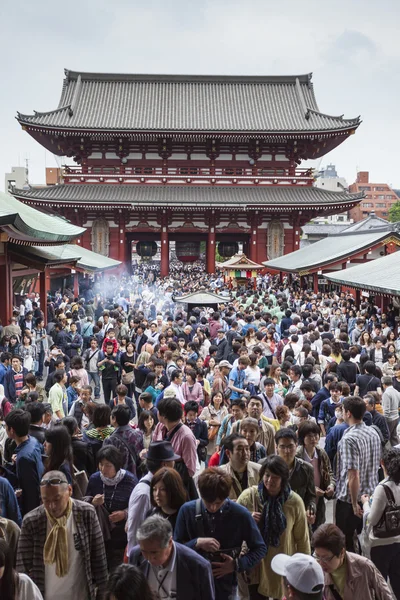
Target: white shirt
(178,392)
(139,505)
(162,580)
(73,585)
(27,589)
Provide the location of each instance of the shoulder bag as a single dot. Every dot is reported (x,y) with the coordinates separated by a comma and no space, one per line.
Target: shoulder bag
(389,523)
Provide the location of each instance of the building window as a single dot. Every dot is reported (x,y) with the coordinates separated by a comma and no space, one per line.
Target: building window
(381,197)
(384,214)
(380,205)
(367,204)
(364,188)
(379,188)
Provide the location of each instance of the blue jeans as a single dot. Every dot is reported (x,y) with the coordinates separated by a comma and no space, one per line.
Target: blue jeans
(40,363)
(95,377)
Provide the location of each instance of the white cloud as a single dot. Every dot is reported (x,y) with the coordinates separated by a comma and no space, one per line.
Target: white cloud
(351,47)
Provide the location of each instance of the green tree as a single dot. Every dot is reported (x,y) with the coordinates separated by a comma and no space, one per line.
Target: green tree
(394,212)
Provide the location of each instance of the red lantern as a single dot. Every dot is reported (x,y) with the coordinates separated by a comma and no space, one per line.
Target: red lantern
(187,251)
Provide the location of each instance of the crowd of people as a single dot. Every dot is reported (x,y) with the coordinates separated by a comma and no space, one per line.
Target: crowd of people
(152,453)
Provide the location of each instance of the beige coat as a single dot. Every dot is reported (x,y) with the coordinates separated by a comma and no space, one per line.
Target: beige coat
(266,436)
(364,581)
(208,414)
(253,470)
(294,539)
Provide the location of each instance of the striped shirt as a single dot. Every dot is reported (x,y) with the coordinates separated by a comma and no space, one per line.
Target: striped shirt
(359,449)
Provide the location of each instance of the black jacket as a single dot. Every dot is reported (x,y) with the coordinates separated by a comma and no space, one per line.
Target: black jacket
(302,482)
(83,456)
(384,354)
(193,573)
(379,421)
(37,432)
(222,350)
(347,371)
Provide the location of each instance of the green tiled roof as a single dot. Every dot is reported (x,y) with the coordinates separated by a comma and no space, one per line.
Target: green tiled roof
(326,251)
(83,258)
(381,275)
(27,224)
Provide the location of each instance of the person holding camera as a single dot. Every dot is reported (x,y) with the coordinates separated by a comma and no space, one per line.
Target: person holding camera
(172,570)
(216,528)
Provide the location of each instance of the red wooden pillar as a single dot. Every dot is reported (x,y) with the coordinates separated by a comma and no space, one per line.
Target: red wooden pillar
(253,243)
(44,288)
(211,251)
(122,234)
(296,234)
(315,282)
(358,298)
(164,251)
(76,285)
(6,303)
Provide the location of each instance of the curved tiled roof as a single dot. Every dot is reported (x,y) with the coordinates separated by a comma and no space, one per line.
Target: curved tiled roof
(162,195)
(71,253)
(381,275)
(25,223)
(329,250)
(101,101)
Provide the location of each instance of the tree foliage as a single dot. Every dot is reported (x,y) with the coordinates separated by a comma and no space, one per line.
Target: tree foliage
(394,212)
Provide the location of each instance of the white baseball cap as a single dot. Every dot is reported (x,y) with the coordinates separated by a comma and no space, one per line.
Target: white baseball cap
(301,571)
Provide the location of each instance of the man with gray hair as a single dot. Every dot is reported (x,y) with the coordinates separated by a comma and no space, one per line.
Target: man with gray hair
(171,569)
(390,405)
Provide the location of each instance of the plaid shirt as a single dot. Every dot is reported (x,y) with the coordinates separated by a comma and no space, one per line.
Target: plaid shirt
(33,536)
(359,449)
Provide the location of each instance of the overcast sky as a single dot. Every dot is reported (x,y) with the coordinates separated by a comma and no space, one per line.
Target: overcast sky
(351,46)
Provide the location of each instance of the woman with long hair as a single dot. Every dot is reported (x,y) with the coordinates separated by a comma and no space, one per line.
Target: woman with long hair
(128,359)
(127,582)
(78,370)
(275,373)
(149,385)
(13,585)
(250,339)
(146,424)
(281,517)
(28,353)
(58,449)
(213,415)
(167,494)
(366,342)
(253,372)
(192,389)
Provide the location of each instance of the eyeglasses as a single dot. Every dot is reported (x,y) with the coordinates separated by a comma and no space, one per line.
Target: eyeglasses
(287,448)
(323,559)
(52,481)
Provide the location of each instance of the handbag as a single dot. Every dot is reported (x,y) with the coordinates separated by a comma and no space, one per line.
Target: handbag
(80,483)
(389,523)
(212,432)
(128,378)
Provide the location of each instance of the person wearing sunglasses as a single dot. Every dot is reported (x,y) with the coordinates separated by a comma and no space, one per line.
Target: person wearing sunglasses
(61,545)
(348,576)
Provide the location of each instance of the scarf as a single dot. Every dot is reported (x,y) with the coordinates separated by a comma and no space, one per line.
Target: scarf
(273,520)
(113,481)
(56,545)
(101,434)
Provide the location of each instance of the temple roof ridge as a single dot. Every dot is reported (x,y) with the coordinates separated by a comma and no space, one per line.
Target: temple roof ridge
(211,104)
(71,75)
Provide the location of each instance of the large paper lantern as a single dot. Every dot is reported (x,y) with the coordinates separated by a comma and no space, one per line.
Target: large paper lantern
(187,251)
(228,249)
